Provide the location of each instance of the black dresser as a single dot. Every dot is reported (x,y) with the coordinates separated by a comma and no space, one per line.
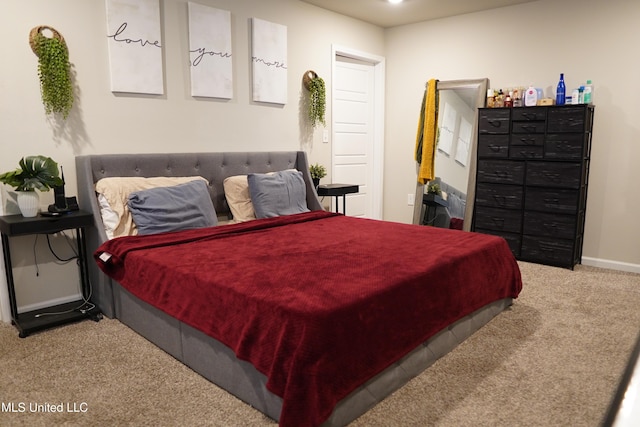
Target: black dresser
(532,177)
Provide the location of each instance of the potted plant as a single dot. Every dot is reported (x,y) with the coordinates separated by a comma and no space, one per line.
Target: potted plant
(434,189)
(317,172)
(317,97)
(35,173)
(54,70)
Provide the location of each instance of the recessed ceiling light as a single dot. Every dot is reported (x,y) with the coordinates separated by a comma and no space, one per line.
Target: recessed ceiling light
(395,1)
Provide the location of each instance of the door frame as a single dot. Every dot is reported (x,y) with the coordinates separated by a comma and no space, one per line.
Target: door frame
(378,63)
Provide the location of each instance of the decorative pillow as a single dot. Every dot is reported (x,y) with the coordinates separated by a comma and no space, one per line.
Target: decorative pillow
(180,207)
(281,193)
(236,191)
(113,195)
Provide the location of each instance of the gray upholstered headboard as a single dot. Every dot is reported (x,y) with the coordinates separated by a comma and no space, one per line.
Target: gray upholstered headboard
(215,167)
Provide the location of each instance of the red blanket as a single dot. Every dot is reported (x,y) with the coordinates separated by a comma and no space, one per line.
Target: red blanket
(317,302)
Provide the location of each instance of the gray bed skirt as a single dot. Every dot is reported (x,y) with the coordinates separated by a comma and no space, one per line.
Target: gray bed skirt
(217,362)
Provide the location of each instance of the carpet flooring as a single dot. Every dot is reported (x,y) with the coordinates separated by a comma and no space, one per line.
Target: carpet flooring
(553,359)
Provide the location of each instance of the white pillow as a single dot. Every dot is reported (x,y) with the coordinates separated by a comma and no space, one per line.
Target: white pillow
(113,194)
(236,191)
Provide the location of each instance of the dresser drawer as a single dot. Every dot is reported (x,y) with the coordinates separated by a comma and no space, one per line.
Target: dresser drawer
(525,152)
(526,146)
(566,119)
(547,250)
(498,219)
(554,174)
(501,171)
(529,113)
(567,146)
(551,200)
(513,239)
(553,225)
(493,145)
(527,140)
(529,127)
(492,121)
(499,196)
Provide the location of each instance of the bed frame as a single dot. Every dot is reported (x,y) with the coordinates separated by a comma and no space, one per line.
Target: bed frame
(205,355)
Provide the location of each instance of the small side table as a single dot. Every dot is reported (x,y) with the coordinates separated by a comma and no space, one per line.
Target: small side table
(431,200)
(17,225)
(338,190)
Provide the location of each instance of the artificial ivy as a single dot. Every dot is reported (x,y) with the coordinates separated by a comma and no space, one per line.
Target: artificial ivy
(317,101)
(54,71)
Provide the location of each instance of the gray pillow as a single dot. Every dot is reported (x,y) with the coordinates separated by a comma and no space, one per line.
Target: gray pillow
(281,193)
(457,205)
(179,207)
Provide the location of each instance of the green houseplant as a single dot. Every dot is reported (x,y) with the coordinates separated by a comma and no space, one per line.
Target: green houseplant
(317,172)
(434,189)
(317,97)
(34,173)
(54,71)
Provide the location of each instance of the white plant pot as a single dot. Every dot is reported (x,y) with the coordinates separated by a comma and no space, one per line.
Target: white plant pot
(28,202)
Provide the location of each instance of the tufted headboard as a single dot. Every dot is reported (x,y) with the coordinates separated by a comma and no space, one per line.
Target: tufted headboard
(214,167)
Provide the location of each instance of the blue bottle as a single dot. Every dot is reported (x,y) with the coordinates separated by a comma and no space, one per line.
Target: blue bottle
(560,91)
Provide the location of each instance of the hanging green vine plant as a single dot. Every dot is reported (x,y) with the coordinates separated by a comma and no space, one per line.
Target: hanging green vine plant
(317,97)
(54,70)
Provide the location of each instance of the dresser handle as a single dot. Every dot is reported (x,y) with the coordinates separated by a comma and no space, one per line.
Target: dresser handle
(500,200)
(527,154)
(494,148)
(498,222)
(552,176)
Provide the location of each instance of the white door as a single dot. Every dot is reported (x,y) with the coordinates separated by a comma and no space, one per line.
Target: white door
(353,133)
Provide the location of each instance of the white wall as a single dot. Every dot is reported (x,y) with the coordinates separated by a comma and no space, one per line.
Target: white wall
(102,122)
(533,43)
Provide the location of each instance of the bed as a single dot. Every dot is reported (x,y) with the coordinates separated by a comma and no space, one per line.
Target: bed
(312,317)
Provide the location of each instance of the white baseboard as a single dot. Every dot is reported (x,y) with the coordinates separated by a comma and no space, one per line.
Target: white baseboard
(611,265)
(50,303)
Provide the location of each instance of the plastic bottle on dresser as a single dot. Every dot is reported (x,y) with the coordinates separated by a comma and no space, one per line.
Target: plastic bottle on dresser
(581,95)
(508,99)
(499,102)
(588,93)
(490,98)
(530,96)
(560,91)
(575,97)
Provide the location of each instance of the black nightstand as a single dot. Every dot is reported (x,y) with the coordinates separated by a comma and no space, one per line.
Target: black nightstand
(17,225)
(338,190)
(432,201)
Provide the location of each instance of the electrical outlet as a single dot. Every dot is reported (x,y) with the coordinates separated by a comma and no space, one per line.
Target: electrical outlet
(410,198)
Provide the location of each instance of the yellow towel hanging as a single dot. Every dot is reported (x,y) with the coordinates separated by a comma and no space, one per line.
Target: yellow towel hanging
(427,131)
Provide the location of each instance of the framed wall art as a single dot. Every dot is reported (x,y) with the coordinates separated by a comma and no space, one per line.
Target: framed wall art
(210,52)
(269,60)
(135,46)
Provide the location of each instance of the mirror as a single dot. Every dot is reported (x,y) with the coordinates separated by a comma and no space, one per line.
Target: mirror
(455,157)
